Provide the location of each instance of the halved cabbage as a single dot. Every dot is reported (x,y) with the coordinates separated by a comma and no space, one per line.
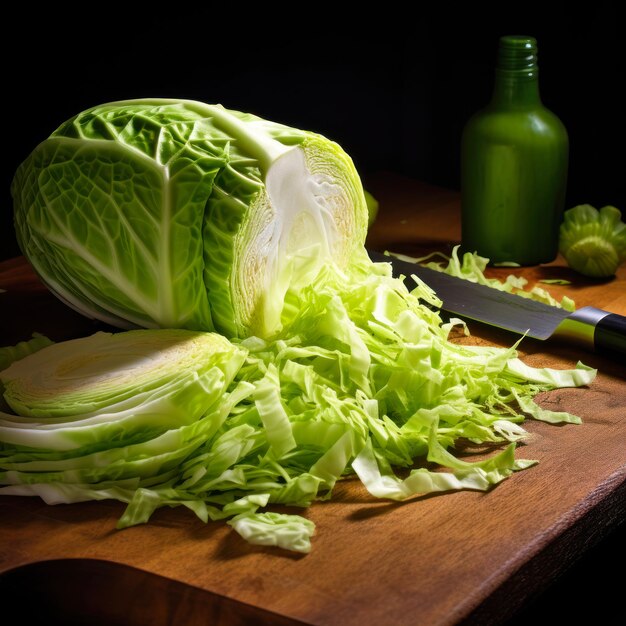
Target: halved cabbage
(179,214)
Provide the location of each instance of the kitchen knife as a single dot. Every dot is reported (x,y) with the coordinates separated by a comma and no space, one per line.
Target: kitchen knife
(593,328)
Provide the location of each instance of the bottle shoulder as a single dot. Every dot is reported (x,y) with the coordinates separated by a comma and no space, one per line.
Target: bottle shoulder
(536,119)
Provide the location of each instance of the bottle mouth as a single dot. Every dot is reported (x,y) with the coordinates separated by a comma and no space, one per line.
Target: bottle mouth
(517,53)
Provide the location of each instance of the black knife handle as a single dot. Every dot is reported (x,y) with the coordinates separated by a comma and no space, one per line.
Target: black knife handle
(610,335)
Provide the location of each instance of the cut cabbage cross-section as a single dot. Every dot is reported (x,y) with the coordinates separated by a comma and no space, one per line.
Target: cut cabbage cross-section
(109,390)
(304,220)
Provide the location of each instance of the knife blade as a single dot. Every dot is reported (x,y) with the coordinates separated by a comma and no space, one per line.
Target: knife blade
(595,329)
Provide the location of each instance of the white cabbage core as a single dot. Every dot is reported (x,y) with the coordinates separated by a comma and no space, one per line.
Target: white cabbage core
(304,223)
(297,234)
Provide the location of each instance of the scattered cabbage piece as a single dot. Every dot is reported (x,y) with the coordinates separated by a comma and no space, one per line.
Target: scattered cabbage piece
(593,242)
(292,532)
(555,281)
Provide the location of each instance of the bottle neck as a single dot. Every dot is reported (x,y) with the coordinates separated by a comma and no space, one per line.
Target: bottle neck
(516,83)
(515,89)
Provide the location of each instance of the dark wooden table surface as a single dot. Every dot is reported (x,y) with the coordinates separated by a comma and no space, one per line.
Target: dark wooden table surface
(466,556)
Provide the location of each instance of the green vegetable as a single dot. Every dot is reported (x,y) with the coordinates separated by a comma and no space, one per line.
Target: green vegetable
(593,242)
(83,401)
(179,214)
(365,381)
(292,532)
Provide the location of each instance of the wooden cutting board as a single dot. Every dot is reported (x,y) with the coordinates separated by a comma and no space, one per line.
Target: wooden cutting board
(434,560)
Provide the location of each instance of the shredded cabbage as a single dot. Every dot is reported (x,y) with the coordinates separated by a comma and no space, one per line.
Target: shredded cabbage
(365,381)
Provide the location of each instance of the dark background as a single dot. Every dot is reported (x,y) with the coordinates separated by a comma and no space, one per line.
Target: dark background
(393,90)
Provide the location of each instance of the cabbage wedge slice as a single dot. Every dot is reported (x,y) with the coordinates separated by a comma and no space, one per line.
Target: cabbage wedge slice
(108,391)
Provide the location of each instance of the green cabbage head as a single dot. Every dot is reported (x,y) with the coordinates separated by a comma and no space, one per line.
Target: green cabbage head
(180,214)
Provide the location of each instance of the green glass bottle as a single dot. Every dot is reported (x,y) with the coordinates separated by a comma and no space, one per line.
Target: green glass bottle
(514,155)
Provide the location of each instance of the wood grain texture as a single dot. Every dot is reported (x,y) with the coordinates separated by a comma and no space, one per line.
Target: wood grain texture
(436,560)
